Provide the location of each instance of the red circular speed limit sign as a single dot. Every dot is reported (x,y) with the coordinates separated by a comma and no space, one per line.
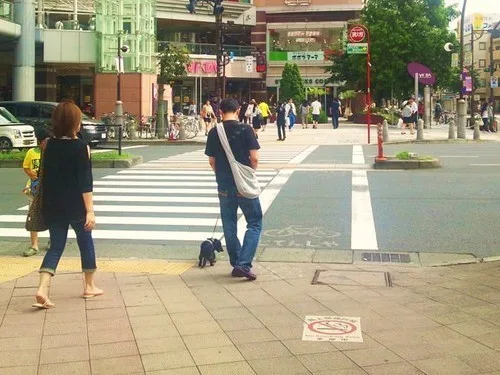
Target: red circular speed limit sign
(357,34)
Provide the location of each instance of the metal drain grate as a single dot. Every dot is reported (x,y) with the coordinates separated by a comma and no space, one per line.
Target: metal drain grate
(386,257)
(354,278)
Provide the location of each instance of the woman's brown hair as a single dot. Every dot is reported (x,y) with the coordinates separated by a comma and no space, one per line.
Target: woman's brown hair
(66,119)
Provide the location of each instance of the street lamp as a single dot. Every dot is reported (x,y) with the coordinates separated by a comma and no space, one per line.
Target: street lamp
(119,104)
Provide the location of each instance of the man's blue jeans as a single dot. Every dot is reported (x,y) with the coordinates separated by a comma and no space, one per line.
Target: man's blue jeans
(335,120)
(58,236)
(240,254)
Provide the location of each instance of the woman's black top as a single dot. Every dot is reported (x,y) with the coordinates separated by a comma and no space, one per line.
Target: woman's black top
(67,174)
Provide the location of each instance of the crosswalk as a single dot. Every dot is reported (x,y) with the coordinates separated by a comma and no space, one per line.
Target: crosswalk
(163,200)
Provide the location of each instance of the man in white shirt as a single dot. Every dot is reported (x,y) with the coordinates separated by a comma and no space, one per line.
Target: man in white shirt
(414,110)
(316,111)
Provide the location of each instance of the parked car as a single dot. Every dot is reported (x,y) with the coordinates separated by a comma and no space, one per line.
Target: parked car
(13,134)
(40,114)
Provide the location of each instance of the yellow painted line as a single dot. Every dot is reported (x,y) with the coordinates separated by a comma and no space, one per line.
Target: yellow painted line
(15,267)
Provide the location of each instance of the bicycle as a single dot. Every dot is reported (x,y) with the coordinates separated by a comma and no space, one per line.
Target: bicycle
(189,123)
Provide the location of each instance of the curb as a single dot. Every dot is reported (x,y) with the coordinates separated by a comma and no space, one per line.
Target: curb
(438,141)
(112,163)
(407,164)
(161,142)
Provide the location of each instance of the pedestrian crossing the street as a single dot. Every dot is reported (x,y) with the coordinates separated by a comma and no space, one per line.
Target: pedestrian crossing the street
(281,154)
(149,205)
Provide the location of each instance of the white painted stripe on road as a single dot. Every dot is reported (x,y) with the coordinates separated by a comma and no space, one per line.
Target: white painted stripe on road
(99,151)
(152,209)
(303,155)
(182,172)
(151,199)
(485,165)
(156,183)
(363,234)
(458,156)
(129,235)
(171,178)
(357,155)
(133,220)
(117,190)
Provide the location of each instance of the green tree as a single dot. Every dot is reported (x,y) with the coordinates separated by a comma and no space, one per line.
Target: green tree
(291,84)
(172,62)
(401,32)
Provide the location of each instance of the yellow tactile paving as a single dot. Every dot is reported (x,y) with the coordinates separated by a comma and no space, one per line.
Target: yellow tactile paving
(15,267)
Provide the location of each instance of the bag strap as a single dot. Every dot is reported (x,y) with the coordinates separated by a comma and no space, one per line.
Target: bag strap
(225,143)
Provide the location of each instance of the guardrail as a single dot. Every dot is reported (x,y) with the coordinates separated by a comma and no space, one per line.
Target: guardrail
(6,10)
(208,48)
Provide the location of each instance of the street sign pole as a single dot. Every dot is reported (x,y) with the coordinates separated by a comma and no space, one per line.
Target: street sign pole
(369,95)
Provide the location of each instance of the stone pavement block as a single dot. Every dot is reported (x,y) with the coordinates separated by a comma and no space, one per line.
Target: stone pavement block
(278,366)
(70,368)
(56,328)
(161,345)
(287,332)
(145,310)
(69,304)
(229,313)
(373,356)
(54,316)
(347,371)
(176,371)
(208,340)
(108,324)
(333,256)
(182,307)
(488,360)
(19,358)
(27,281)
(20,343)
(104,303)
(449,317)
(276,320)
(444,365)
(151,320)
(326,361)
(299,346)
(233,368)
(239,324)
(196,328)
(20,292)
(195,316)
(23,370)
(65,354)
(155,332)
(401,368)
(28,330)
(368,343)
(271,254)
(261,350)
(266,310)
(475,327)
(59,341)
(114,350)
(117,366)
(412,352)
(221,354)
(140,298)
(221,303)
(251,335)
(491,340)
(110,313)
(103,337)
(164,361)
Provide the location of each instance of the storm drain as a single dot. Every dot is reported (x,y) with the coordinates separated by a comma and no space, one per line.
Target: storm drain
(354,278)
(386,257)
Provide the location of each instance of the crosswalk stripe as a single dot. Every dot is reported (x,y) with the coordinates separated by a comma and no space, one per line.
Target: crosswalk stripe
(124,198)
(139,190)
(184,172)
(103,234)
(151,209)
(174,178)
(156,183)
(135,220)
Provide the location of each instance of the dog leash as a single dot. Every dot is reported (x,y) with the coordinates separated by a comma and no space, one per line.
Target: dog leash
(215,226)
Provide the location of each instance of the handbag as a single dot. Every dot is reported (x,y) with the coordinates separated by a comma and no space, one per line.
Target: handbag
(34,220)
(244,176)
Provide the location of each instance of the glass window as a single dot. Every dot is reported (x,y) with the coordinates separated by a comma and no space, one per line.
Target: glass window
(482,63)
(27,110)
(46,111)
(482,46)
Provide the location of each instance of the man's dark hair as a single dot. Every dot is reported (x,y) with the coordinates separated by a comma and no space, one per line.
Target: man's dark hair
(41,133)
(229,105)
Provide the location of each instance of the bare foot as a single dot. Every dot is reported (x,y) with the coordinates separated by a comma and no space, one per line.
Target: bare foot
(92,292)
(42,302)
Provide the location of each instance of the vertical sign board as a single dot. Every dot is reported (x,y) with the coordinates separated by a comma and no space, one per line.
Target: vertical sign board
(494,82)
(249,64)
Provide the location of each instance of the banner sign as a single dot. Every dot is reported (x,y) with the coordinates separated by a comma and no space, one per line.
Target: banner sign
(425,75)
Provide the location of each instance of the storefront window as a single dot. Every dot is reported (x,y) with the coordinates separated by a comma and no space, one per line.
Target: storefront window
(303,44)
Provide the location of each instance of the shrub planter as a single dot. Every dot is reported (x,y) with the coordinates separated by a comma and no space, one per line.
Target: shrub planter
(362,118)
(392,162)
(104,163)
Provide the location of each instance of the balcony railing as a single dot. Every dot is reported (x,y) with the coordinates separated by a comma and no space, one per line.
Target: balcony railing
(209,49)
(6,10)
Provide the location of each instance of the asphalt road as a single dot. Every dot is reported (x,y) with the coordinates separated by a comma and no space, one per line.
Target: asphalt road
(454,209)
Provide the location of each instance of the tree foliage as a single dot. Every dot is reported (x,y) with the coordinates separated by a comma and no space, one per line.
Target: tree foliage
(172,61)
(291,84)
(402,31)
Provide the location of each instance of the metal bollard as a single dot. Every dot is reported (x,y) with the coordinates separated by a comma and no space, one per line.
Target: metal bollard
(420,130)
(385,131)
(477,133)
(182,131)
(451,130)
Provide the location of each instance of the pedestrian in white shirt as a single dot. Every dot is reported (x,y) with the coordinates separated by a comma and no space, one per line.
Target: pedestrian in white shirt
(414,111)
(316,111)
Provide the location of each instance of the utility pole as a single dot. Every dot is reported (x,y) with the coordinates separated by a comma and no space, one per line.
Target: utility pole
(462,29)
(493,34)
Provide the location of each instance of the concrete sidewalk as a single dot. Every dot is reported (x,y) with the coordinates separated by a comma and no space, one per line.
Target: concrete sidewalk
(435,320)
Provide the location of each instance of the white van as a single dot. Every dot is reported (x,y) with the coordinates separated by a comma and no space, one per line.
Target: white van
(14,134)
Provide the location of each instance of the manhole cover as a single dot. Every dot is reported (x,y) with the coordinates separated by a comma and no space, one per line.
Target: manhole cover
(357,278)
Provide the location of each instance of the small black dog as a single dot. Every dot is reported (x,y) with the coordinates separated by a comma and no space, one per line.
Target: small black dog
(207,251)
